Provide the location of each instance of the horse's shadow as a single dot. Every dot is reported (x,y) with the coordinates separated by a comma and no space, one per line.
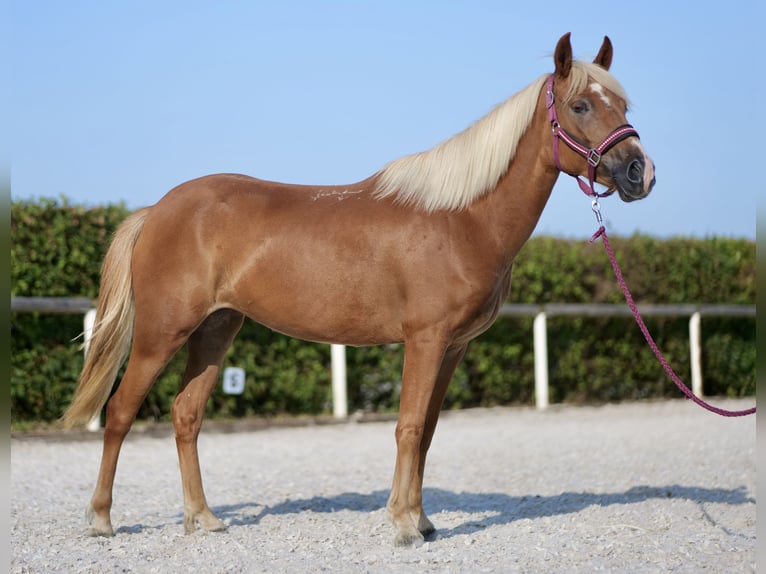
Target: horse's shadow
(495,508)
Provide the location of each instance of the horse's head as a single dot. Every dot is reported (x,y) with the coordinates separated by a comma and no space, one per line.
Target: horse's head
(587,107)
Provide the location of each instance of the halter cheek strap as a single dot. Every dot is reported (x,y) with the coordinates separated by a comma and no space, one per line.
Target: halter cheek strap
(592,155)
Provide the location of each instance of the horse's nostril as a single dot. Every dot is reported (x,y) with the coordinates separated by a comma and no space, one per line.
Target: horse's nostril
(636,171)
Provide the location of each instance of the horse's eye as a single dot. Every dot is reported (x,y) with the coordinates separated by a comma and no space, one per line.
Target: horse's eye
(580,107)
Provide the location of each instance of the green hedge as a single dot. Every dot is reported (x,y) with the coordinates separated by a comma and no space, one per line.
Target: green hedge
(57,250)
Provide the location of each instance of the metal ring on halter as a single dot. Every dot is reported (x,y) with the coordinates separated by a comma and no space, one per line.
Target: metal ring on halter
(596,207)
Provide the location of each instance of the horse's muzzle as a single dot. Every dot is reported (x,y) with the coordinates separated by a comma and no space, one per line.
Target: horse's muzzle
(634,178)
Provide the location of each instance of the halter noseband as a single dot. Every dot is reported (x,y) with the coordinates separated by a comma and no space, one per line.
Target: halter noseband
(592,155)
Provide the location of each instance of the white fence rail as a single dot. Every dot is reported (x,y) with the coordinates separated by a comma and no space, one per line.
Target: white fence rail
(62,305)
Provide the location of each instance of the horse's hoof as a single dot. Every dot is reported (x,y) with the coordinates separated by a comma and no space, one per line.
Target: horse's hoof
(206,521)
(213,526)
(93,531)
(407,538)
(98,526)
(426,527)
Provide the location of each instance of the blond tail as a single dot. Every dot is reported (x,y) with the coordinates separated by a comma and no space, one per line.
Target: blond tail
(113,328)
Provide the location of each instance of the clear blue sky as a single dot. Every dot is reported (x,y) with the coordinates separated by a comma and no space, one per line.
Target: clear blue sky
(121,101)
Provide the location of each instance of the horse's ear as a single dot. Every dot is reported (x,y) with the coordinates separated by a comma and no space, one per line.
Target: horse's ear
(562,57)
(604,58)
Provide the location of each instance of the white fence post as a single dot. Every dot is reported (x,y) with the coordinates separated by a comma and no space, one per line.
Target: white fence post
(540,333)
(695,346)
(88,322)
(339,399)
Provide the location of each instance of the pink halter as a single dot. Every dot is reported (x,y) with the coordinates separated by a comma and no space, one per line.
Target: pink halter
(592,155)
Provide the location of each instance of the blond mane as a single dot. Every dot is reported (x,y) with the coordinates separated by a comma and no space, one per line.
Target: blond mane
(459,170)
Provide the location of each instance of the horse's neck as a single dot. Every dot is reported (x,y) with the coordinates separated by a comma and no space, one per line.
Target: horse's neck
(512,209)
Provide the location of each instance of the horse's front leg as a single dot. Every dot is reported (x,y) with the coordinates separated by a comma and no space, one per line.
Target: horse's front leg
(423,360)
(207,347)
(451,360)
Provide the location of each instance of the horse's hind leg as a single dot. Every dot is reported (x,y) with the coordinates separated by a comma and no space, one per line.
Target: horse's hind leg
(207,347)
(147,359)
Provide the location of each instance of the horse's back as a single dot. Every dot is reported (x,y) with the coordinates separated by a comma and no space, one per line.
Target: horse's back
(330,264)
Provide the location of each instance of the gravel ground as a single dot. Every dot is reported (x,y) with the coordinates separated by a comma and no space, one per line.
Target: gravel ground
(639,487)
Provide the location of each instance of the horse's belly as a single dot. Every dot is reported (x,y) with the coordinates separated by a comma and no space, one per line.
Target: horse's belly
(336,323)
(320,306)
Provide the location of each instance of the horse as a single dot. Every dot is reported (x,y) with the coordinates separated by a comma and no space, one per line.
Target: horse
(419,253)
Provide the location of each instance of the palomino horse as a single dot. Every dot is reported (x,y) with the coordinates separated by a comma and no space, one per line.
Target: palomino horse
(419,253)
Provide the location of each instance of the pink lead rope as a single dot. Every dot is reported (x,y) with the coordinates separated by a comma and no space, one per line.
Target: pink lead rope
(593,157)
(634,309)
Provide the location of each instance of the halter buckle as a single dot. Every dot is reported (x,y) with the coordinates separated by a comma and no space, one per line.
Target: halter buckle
(594,157)
(549,98)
